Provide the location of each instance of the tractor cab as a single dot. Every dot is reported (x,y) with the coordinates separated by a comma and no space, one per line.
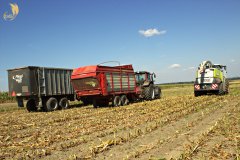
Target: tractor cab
(144,78)
(145,85)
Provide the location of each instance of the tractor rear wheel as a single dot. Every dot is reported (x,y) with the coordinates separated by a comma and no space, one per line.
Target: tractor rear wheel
(31,105)
(149,93)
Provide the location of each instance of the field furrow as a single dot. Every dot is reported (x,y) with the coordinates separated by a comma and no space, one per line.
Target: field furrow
(177,126)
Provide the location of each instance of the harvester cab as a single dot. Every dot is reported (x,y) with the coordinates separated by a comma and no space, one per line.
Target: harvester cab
(211,78)
(146,87)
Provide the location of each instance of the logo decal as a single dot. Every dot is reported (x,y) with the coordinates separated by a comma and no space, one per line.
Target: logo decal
(14,12)
(18,78)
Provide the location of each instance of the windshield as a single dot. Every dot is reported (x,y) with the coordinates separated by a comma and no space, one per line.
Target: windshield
(85,84)
(140,77)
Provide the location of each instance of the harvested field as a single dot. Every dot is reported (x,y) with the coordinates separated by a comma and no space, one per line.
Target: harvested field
(178,126)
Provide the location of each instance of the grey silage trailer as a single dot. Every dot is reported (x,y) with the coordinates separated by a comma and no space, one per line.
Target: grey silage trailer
(43,87)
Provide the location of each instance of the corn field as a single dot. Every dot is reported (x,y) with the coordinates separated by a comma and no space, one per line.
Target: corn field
(178,126)
(5,98)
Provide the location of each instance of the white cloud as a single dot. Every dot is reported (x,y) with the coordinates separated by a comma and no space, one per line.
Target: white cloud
(175,66)
(232,60)
(151,32)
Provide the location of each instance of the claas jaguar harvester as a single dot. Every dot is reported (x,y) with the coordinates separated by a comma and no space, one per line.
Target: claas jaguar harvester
(99,85)
(211,79)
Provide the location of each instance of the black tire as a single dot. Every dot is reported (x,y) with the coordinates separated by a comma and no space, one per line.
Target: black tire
(159,95)
(31,105)
(52,104)
(226,86)
(95,103)
(64,103)
(124,100)
(196,93)
(86,102)
(100,103)
(103,104)
(221,91)
(149,93)
(116,101)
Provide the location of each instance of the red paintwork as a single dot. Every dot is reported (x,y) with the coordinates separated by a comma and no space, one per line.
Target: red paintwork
(99,72)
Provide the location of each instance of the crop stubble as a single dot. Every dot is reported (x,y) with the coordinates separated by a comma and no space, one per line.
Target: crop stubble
(173,127)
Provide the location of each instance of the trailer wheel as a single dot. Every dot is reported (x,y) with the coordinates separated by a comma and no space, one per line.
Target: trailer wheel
(52,104)
(124,100)
(95,103)
(103,103)
(86,102)
(116,101)
(31,105)
(64,103)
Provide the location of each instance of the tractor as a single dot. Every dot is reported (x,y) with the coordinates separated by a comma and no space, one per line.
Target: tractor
(145,86)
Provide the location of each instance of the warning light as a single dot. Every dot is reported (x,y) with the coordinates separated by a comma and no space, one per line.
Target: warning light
(13,94)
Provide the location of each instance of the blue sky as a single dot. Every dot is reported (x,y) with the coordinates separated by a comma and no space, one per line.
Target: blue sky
(72,33)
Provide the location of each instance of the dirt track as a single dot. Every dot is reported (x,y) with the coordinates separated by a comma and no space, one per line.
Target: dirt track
(181,127)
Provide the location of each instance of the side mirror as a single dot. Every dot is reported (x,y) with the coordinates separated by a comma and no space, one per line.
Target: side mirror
(154,75)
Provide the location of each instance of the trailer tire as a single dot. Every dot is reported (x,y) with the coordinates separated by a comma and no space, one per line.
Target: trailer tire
(149,93)
(103,103)
(52,104)
(31,105)
(64,103)
(116,101)
(86,102)
(124,100)
(95,103)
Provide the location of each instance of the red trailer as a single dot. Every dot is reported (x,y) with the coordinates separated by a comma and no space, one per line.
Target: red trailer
(99,85)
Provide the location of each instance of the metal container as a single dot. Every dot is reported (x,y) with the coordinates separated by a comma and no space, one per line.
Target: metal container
(41,81)
(100,85)
(40,84)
